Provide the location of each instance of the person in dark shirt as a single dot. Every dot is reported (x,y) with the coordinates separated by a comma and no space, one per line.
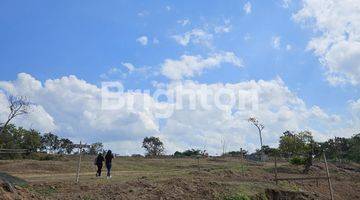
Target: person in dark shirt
(99,163)
(108,158)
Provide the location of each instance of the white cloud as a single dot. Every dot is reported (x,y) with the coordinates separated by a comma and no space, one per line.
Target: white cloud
(155,41)
(168,8)
(189,66)
(355,111)
(37,118)
(196,36)
(247,37)
(225,28)
(276,42)
(184,22)
(337,43)
(72,107)
(143,13)
(278,108)
(288,47)
(113,71)
(143,40)
(247,7)
(286,3)
(129,66)
(125,70)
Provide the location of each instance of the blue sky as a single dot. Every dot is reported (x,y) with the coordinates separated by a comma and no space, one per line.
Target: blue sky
(92,40)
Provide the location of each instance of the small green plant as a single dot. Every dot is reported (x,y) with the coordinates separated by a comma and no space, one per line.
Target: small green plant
(87,198)
(45,191)
(297,161)
(289,186)
(238,196)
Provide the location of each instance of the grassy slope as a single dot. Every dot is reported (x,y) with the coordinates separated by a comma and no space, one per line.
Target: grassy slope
(217,178)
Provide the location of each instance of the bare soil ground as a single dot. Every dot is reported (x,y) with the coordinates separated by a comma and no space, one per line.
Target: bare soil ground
(141,178)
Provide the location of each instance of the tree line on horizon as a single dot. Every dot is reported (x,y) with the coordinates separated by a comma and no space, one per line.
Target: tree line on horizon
(33,141)
(299,148)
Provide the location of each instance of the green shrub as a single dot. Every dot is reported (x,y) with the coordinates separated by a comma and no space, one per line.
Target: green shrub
(297,161)
(238,196)
(189,153)
(43,156)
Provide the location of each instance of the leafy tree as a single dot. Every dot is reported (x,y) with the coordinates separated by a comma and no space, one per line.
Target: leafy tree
(336,148)
(66,146)
(50,142)
(19,138)
(295,144)
(354,150)
(31,140)
(270,151)
(190,152)
(153,146)
(7,140)
(237,153)
(300,146)
(96,148)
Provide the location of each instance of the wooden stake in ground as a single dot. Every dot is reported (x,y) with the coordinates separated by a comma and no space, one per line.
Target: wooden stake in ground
(80,146)
(198,162)
(329,180)
(276,176)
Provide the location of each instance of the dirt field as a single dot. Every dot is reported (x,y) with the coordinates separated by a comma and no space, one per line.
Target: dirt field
(140,178)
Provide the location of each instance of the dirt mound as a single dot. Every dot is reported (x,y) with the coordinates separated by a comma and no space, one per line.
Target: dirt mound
(12,192)
(142,188)
(280,194)
(12,179)
(10,188)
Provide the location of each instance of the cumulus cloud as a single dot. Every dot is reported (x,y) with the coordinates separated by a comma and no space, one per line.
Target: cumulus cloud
(37,118)
(189,66)
(337,44)
(247,7)
(143,40)
(275,105)
(72,107)
(195,36)
(355,110)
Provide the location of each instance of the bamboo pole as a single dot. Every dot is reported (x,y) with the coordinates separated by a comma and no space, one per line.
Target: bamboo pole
(329,180)
(79,164)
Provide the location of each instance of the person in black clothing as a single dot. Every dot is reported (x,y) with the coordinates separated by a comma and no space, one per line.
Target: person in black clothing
(108,158)
(99,163)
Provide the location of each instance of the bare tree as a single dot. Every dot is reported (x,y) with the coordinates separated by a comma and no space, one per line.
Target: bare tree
(17,106)
(259,126)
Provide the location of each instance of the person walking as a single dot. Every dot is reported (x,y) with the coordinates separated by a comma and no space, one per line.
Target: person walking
(108,159)
(99,163)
